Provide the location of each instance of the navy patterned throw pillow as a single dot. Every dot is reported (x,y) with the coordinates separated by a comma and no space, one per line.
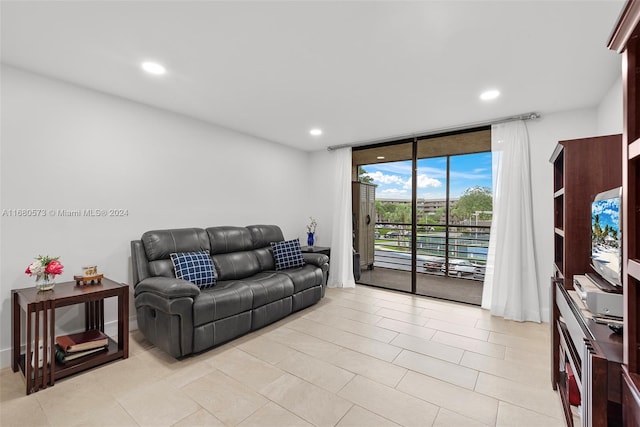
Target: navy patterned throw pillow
(287,254)
(196,267)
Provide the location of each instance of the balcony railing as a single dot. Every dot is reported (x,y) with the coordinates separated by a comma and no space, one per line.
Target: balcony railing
(462,247)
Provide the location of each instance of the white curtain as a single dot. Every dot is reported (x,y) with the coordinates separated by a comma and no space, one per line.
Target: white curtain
(341,263)
(511,285)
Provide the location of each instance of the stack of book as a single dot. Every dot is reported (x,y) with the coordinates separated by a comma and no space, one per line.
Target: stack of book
(76,346)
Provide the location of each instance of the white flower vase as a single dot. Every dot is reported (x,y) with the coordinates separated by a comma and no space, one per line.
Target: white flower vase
(45,282)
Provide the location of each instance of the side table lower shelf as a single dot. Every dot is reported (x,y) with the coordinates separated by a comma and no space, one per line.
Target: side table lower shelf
(63,370)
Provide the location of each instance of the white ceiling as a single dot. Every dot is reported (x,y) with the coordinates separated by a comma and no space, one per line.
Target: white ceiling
(359,70)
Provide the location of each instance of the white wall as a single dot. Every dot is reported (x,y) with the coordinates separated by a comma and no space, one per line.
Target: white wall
(610,110)
(544,134)
(321,186)
(66,147)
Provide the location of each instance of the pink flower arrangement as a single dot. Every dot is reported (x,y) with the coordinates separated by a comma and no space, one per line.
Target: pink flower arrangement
(44,266)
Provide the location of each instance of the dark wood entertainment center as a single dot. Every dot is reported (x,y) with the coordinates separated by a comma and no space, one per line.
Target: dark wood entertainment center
(582,169)
(610,388)
(626,40)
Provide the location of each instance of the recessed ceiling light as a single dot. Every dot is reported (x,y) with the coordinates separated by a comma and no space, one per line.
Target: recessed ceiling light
(153,68)
(316,132)
(380,157)
(489,95)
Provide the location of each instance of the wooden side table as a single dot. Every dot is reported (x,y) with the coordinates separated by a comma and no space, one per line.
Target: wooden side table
(327,251)
(316,250)
(40,307)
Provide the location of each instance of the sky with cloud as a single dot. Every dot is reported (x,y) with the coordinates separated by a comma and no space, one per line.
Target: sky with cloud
(394,178)
(608,211)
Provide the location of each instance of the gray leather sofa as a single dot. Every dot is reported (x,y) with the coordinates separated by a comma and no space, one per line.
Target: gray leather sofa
(181,318)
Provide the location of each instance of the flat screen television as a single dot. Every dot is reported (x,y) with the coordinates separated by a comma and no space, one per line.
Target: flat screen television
(606,236)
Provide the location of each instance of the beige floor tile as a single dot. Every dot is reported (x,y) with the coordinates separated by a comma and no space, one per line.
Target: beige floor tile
(368,346)
(303,342)
(246,368)
(21,412)
(539,331)
(545,402)
(272,415)
(406,328)
(12,385)
(199,418)
(453,328)
(158,404)
(230,400)
(467,403)
(365,298)
(318,330)
(403,306)
(349,313)
(267,349)
(470,344)
(138,343)
(428,348)
(72,402)
(354,305)
(515,371)
(124,375)
(440,369)
(389,403)
(449,317)
(466,310)
(447,418)
(360,417)
(189,373)
(353,326)
(538,358)
(511,415)
(310,402)
(520,343)
(402,316)
(368,366)
(315,371)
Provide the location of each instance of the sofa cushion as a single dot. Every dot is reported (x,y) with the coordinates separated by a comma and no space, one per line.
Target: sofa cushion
(304,277)
(268,287)
(227,298)
(287,254)
(195,267)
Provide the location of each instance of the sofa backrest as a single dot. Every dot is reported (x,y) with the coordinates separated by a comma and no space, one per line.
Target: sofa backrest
(232,252)
(262,236)
(237,252)
(159,244)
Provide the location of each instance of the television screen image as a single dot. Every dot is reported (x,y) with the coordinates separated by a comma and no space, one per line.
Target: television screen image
(606,239)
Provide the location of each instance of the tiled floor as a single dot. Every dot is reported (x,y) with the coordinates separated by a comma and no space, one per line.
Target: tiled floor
(360,357)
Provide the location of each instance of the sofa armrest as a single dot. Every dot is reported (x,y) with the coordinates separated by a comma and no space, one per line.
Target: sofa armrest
(315,259)
(167,287)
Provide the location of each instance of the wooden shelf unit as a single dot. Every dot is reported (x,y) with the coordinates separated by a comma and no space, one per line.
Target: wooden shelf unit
(626,40)
(582,169)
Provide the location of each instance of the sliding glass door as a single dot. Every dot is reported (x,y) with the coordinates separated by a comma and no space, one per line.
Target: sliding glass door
(389,168)
(433,215)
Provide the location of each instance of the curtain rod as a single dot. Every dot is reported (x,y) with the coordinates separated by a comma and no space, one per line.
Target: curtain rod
(527,116)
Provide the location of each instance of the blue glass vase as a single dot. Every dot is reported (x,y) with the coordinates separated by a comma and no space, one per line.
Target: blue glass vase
(310,239)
